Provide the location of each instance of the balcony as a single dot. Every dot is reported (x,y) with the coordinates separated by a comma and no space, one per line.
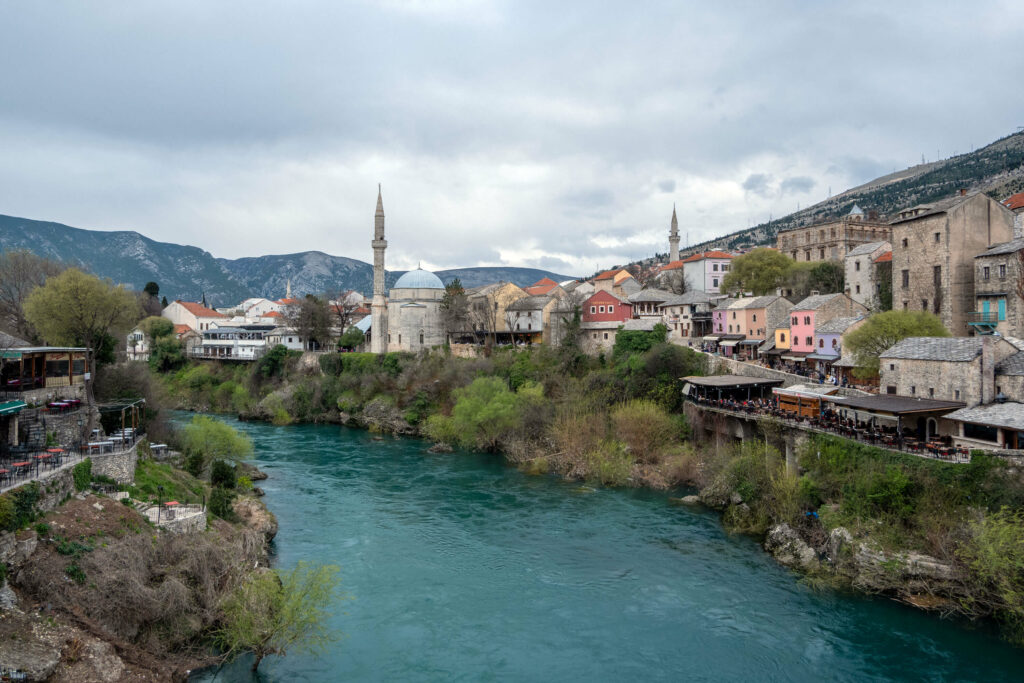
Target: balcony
(983,322)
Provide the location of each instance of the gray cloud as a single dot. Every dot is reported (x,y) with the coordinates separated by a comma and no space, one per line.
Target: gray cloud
(796,185)
(502,133)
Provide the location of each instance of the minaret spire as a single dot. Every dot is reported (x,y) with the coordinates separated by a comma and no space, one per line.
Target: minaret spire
(379,309)
(673,237)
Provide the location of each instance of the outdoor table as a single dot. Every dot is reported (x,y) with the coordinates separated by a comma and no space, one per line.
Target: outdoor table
(4,474)
(100,445)
(22,467)
(169,511)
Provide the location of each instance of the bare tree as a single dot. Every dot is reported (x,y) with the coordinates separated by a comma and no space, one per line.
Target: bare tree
(673,281)
(343,311)
(311,320)
(455,309)
(21,271)
(483,315)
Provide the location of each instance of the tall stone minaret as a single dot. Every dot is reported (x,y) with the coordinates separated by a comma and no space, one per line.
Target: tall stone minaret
(673,238)
(379,309)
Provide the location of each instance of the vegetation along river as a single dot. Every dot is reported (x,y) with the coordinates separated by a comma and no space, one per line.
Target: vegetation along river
(461,568)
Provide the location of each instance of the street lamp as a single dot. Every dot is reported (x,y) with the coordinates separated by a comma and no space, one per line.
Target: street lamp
(159,502)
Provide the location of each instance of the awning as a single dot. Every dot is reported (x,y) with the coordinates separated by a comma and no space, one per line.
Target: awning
(729,344)
(793,357)
(773,352)
(11,407)
(751,342)
(711,337)
(819,356)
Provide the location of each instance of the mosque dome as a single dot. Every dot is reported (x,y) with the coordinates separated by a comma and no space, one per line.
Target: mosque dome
(419,279)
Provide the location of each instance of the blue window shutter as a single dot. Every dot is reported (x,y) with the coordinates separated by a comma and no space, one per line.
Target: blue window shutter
(984,306)
(1002,309)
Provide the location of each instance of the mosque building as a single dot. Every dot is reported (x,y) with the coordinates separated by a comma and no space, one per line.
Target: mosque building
(409,318)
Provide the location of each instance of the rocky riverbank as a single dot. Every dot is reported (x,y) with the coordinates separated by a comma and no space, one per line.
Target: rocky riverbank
(94,592)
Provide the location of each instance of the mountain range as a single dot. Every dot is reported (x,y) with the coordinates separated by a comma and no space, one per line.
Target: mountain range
(189,273)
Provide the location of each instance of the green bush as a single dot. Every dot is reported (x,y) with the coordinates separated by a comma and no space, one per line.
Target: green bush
(994,555)
(220,503)
(274,361)
(222,474)
(42,529)
(646,428)
(7,514)
(75,573)
(244,484)
(194,464)
(25,499)
(610,464)
(441,429)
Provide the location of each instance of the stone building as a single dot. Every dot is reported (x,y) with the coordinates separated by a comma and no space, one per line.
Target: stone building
(1010,377)
(195,315)
(529,318)
(832,240)
(944,368)
(998,273)
(933,250)
(1015,203)
(862,273)
(647,302)
(688,316)
(488,308)
(414,312)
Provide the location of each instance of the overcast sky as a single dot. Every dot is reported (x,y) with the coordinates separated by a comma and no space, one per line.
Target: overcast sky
(546,134)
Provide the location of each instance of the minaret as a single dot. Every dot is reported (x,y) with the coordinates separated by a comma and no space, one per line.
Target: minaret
(673,238)
(288,289)
(379,309)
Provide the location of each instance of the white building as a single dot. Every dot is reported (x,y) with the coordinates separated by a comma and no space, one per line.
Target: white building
(195,315)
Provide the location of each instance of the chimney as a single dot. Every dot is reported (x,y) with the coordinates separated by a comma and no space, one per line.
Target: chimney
(963,191)
(815,292)
(988,369)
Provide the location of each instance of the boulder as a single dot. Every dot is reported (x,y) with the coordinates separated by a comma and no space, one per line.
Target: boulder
(255,515)
(838,540)
(28,658)
(786,546)
(8,599)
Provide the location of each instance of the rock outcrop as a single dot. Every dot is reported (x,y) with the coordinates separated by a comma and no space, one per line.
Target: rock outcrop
(785,544)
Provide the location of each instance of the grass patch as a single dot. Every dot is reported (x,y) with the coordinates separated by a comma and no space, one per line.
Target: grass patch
(177,484)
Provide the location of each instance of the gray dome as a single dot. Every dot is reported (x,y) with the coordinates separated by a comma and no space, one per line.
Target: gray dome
(419,279)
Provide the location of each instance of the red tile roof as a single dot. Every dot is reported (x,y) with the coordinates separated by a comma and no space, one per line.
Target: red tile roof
(273,314)
(287,302)
(1014,202)
(181,329)
(707,254)
(884,258)
(674,265)
(199,310)
(608,274)
(544,281)
(538,289)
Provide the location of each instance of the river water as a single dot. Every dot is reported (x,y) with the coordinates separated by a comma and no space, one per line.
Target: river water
(461,568)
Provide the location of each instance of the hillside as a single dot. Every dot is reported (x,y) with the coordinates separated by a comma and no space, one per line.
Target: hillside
(996,169)
(185,272)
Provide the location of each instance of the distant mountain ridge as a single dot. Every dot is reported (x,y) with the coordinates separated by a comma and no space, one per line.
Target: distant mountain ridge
(187,272)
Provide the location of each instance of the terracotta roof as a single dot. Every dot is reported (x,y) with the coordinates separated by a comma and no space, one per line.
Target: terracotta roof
(181,329)
(544,281)
(706,254)
(287,302)
(884,258)
(199,310)
(608,274)
(674,265)
(1014,202)
(539,289)
(273,314)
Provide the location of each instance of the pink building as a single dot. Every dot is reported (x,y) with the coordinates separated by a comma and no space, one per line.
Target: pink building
(815,311)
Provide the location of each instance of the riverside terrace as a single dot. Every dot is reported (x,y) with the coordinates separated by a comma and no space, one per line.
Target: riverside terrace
(897,423)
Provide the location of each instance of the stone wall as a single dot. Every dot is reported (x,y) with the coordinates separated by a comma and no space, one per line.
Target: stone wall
(119,466)
(465,350)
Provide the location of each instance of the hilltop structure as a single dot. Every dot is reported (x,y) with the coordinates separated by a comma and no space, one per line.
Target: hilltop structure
(833,240)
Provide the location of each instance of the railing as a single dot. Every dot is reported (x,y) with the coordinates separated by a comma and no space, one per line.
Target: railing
(983,317)
(701,315)
(208,354)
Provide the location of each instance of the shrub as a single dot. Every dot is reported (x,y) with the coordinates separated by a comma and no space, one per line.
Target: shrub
(994,555)
(441,429)
(7,515)
(25,499)
(485,411)
(222,474)
(646,429)
(610,464)
(209,439)
(220,503)
(244,484)
(42,528)
(75,573)
(274,361)
(194,464)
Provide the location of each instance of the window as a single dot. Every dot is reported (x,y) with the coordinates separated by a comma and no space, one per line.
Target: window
(611,309)
(821,253)
(714,282)
(605,335)
(782,337)
(905,275)
(906,305)
(794,320)
(1002,271)
(931,390)
(593,309)
(835,343)
(389,337)
(714,267)
(600,309)
(858,289)
(981,432)
(913,390)
(904,242)
(807,320)
(734,315)
(725,267)
(985,273)
(399,339)
(821,343)
(529,326)
(892,366)
(594,335)
(810,342)
(890,389)
(755,318)
(421,339)
(856,265)
(956,394)
(730,329)
(938,237)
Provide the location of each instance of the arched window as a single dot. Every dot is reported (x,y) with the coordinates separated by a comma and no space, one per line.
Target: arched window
(421,337)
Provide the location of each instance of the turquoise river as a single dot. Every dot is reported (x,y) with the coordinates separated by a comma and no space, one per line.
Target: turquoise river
(462,568)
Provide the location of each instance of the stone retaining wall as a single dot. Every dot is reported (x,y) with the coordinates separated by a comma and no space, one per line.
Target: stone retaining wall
(118,466)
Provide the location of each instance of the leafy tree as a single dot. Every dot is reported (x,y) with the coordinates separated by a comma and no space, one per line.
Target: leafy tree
(163,302)
(882,330)
(21,271)
(629,342)
(222,474)
(352,338)
(152,288)
(208,439)
(760,272)
(275,611)
(75,308)
(165,354)
(273,362)
(455,308)
(155,327)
